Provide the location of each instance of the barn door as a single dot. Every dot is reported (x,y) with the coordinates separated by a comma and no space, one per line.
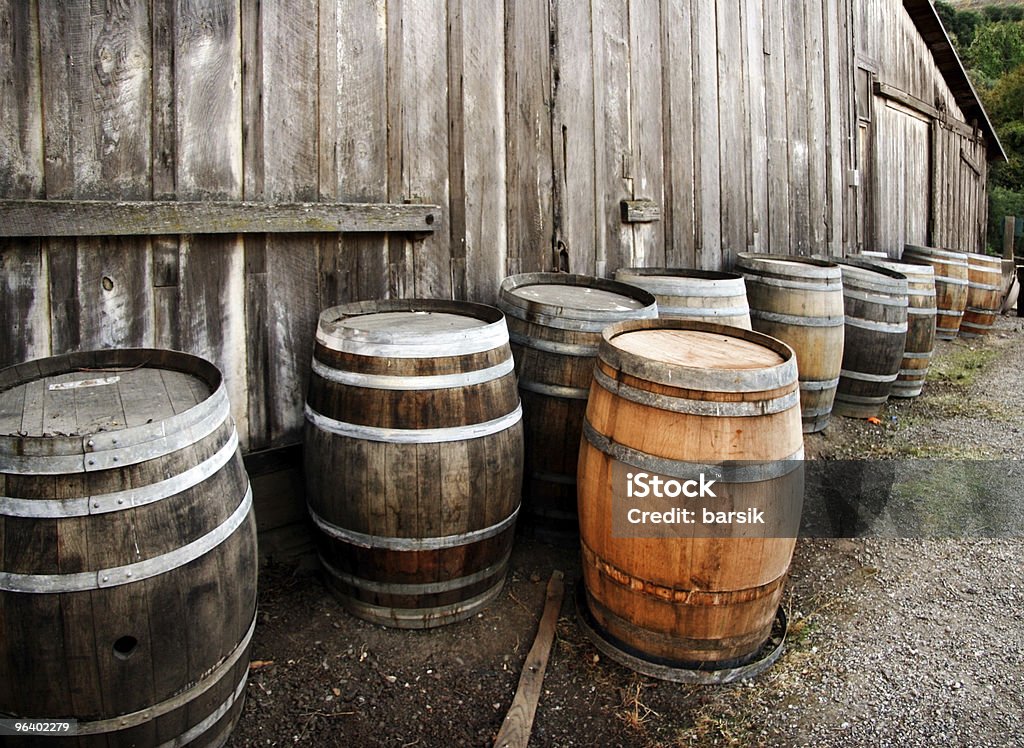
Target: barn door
(902,182)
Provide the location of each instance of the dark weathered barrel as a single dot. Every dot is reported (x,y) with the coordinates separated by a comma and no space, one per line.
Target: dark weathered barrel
(674,399)
(555,322)
(799,300)
(875,336)
(951,278)
(695,295)
(984,294)
(414,454)
(917,351)
(128,571)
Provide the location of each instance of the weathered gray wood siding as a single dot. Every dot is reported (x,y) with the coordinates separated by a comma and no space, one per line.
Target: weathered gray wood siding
(747,123)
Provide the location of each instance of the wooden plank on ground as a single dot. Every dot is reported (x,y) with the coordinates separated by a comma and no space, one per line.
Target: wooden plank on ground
(515,730)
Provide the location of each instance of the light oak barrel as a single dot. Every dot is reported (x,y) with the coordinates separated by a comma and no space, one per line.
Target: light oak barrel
(951,280)
(799,300)
(697,295)
(875,300)
(984,295)
(555,322)
(413,457)
(669,397)
(128,548)
(917,352)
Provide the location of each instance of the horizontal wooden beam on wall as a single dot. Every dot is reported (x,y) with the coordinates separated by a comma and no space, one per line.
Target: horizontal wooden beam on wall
(922,107)
(109,218)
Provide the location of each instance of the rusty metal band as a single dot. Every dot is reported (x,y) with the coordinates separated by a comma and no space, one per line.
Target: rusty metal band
(830,284)
(865,377)
(118,575)
(884,297)
(420,618)
(554,346)
(424,588)
(134,719)
(870,324)
(390,543)
(817,385)
(688,311)
(693,406)
(407,383)
(414,436)
(116,501)
(726,472)
(555,390)
(798,320)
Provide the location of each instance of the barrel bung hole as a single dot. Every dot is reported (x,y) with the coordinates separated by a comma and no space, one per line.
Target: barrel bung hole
(125,647)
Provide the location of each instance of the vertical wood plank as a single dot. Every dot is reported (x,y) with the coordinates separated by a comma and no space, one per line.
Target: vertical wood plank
(733,123)
(776,87)
(796,123)
(678,116)
(208,120)
(24,302)
(708,188)
(354,142)
(572,133)
(614,160)
(114,293)
(482,74)
(290,149)
(817,132)
(421,151)
(21,114)
(756,131)
(645,115)
(528,130)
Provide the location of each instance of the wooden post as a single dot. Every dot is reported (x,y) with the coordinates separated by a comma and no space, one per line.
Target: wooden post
(1009,223)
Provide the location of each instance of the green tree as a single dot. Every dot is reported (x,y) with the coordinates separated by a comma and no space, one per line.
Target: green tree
(960,24)
(997,49)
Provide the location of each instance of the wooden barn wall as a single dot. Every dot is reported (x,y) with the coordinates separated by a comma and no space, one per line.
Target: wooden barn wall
(528,121)
(925,177)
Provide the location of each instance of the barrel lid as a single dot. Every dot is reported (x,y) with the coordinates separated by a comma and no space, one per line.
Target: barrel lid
(412,328)
(573,302)
(95,410)
(699,355)
(913,251)
(579,297)
(788,265)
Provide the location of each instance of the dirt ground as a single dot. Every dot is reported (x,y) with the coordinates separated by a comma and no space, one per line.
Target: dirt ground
(892,641)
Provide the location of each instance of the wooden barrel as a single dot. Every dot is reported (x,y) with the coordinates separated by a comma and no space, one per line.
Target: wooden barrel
(672,398)
(875,336)
(697,295)
(799,300)
(128,570)
(555,322)
(413,457)
(951,278)
(984,294)
(917,351)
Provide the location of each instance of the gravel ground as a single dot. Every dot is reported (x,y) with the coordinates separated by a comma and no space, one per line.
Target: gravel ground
(892,641)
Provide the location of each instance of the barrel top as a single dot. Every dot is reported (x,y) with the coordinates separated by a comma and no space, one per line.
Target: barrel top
(81,403)
(695,355)
(411,322)
(697,349)
(577,297)
(626,274)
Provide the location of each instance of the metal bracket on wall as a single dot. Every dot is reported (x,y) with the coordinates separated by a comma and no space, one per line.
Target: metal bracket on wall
(115,218)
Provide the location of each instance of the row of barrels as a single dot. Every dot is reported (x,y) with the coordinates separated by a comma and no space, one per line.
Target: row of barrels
(127,517)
